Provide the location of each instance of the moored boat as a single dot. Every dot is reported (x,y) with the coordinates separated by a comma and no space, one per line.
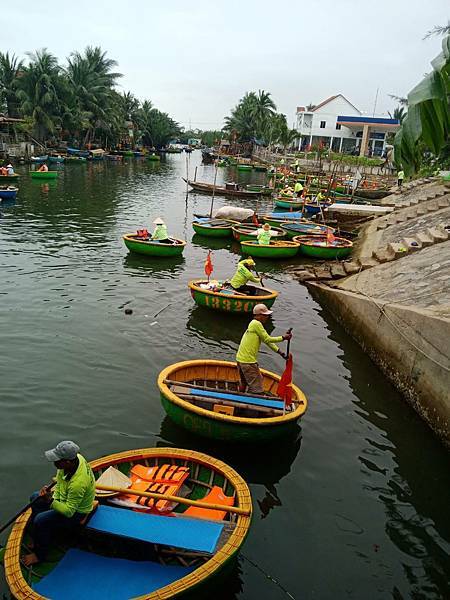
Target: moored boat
(230,189)
(213,227)
(260,168)
(202,396)
(13,177)
(8,193)
(243,167)
(154,157)
(75,159)
(281,249)
(56,159)
(218,296)
(149,247)
(44,174)
(276,219)
(307,228)
(39,159)
(320,247)
(244,233)
(265,190)
(136,545)
(283,202)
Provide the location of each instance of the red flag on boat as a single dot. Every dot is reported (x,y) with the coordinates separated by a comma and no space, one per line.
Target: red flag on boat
(330,237)
(208,265)
(255,219)
(284,389)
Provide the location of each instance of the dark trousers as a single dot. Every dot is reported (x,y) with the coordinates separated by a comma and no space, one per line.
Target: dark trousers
(249,290)
(48,523)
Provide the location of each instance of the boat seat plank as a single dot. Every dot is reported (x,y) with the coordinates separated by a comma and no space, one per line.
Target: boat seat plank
(236,398)
(191,534)
(109,578)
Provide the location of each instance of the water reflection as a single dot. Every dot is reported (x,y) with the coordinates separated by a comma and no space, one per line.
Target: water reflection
(137,265)
(210,243)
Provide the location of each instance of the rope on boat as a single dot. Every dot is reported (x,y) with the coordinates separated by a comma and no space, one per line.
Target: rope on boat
(269,576)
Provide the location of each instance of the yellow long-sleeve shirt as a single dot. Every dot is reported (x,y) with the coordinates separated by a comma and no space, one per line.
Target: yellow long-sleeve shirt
(251,342)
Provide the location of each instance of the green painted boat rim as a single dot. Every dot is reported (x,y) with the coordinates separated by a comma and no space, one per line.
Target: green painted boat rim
(344,243)
(194,285)
(131,237)
(168,373)
(282,244)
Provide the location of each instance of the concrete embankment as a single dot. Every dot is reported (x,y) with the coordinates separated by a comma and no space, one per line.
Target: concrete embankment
(393,297)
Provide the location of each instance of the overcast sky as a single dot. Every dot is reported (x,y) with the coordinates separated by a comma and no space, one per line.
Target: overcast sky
(195,58)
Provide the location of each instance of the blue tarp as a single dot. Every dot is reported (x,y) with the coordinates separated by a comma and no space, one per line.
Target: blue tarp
(192,534)
(285,215)
(85,576)
(236,398)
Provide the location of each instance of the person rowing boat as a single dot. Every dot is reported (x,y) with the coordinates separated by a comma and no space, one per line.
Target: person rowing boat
(243,275)
(247,354)
(160,233)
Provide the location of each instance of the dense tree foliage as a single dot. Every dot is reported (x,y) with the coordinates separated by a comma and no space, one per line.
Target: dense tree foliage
(255,118)
(78,100)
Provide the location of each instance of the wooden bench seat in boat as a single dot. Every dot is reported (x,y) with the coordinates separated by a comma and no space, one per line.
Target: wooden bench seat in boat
(191,534)
(255,401)
(109,578)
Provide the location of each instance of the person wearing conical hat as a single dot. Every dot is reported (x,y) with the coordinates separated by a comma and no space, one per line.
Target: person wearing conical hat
(263,235)
(160,233)
(243,275)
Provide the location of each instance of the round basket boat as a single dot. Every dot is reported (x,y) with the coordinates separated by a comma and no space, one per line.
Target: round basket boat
(44,174)
(308,228)
(278,218)
(128,550)
(244,167)
(213,227)
(202,396)
(244,233)
(13,177)
(286,203)
(8,193)
(321,248)
(152,247)
(153,157)
(228,300)
(281,249)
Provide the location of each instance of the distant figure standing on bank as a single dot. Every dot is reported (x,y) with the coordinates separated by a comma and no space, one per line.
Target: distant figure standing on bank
(247,354)
(400,178)
(160,233)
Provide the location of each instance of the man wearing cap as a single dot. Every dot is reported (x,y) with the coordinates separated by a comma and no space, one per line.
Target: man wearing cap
(65,507)
(160,233)
(243,275)
(247,354)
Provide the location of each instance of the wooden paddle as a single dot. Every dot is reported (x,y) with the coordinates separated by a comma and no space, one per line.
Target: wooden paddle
(208,505)
(29,505)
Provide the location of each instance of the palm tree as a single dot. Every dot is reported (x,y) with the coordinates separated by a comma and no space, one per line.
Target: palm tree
(263,108)
(157,127)
(399,113)
(38,92)
(10,68)
(438,30)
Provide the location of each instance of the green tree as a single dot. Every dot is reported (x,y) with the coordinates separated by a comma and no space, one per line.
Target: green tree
(157,127)
(10,68)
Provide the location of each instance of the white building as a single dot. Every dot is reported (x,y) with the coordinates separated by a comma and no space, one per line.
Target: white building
(339,125)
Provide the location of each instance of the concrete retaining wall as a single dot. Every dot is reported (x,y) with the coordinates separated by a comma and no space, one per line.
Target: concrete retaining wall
(419,368)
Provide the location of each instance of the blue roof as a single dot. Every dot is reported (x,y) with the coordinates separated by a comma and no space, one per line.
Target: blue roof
(368,120)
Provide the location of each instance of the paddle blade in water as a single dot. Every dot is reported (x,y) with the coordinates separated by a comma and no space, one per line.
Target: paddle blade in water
(284,389)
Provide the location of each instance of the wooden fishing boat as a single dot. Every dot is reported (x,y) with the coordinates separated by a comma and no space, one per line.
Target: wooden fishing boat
(8,193)
(133,546)
(202,396)
(264,190)
(213,227)
(281,249)
(39,159)
(153,157)
(44,174)
(319,247)
(153,248)
(13,177)
(286,203)
(307,228)
(276,219)
(244,233)
(220,297)
(230,189)
(78,152)
(75,159)
(56,159)
(372,193)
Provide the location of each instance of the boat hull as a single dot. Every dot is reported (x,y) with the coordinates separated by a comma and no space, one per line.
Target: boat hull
(283,203)
(153,157)
(276,251)
(8,194)
(14,177)
(294,230)
(216,232)
(222,427)
(153,248)
(44,174)
(209,188)
(311,249)
(245,233)
(234,303)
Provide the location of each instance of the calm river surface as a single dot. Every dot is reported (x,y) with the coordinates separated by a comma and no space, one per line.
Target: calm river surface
(357,508)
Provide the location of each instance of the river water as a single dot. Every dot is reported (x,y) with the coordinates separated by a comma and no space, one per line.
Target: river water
(357,507)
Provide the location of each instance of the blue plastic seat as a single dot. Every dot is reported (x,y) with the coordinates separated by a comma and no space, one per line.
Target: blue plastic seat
(236,398)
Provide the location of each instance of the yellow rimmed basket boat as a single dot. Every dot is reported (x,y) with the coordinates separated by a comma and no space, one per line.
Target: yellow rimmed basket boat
(152,550)
(202,396)
(228,300)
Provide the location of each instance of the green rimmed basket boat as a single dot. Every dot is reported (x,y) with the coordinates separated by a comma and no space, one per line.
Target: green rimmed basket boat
(281,249)
(264,190)
(260,168)
(252,419)
(112,567)
(243,167)
(214,227)
(286,203)
(14,177)
(307,228)
(153,248)
(44,174)
(228,300)
(154,157)
(248,232)
(317,247)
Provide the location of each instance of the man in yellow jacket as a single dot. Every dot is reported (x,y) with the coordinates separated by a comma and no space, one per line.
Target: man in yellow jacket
(63,509)
(243,275)
(247,354)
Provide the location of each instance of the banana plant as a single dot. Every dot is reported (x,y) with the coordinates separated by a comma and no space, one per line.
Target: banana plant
(428,119)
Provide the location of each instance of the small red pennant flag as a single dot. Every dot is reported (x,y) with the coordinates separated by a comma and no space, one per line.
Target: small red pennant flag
(284,389)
